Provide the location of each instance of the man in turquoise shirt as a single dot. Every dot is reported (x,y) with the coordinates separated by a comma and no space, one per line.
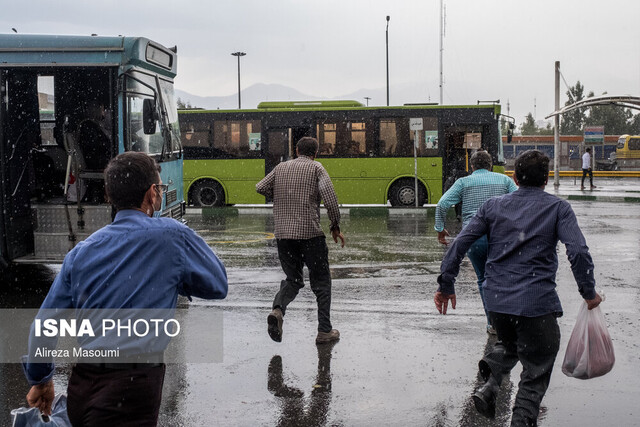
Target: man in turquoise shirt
(473,191)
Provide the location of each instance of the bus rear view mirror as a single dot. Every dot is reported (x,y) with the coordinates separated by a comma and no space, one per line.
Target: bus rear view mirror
(149,116)
(510,128)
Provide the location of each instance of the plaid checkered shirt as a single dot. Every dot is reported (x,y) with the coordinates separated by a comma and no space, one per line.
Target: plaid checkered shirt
(472,191)
(297,187)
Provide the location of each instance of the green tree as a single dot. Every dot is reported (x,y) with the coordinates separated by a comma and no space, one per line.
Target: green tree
(184,105)
(528,127)
(616,120)
(572,123)
(634,125)
(548,130)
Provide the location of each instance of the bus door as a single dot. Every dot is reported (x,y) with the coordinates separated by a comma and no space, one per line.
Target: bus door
(281,145)
(455,161)
(460,143)
(19,135)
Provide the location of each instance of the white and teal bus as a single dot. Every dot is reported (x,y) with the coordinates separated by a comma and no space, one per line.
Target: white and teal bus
(68,104)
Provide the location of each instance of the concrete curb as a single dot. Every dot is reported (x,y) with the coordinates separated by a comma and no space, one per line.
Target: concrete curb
(618,199)
(381,210)
(366,211)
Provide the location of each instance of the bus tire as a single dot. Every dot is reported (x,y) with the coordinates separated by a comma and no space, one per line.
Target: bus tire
(402,193)
(207,193)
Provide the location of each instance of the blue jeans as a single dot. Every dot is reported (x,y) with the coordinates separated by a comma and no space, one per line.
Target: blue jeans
(477,254)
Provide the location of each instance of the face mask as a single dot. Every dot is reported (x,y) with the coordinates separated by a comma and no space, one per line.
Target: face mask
(158,213)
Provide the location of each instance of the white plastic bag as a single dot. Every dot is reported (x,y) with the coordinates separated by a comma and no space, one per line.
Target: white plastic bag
(31,417)
(590,350)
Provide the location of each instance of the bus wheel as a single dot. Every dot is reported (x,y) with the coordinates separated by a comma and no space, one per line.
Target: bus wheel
(207,193)
(403,193)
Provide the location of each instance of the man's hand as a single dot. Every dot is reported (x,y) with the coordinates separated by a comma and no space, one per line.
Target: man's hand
(593,303)
(441,236)
(41,396)
(442,301)
(336,234)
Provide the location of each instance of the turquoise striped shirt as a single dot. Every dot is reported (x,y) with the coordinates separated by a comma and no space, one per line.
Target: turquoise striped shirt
(472,191)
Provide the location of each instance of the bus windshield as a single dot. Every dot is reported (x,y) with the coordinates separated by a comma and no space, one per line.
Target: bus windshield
(139,88)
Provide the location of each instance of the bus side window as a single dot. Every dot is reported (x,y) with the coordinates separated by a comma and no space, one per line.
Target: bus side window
(325,149)
(326,133)
(388,135)
(46,106)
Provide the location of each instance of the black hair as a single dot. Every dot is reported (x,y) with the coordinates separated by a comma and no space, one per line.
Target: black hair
(127,178)
(307,146)
(481,160)
(588,149)
(532,168)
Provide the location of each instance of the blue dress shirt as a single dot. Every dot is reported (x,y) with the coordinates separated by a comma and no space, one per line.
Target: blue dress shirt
(134,262)
(523,229)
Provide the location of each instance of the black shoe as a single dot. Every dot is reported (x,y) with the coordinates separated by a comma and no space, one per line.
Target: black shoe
(485,398)
(326,337)
(274,322)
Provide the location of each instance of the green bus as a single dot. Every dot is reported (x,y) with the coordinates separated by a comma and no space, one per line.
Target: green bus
(69,104)
(371,153)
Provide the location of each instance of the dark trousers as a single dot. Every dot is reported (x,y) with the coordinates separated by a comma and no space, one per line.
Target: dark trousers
(114,397)
(586,172)
(313,253)
(534,341)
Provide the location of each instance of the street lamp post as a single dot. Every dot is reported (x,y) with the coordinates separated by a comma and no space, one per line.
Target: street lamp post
(387,34)
(367,98)
(239,54)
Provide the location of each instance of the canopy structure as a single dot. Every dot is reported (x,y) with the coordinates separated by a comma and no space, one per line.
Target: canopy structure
(620,101)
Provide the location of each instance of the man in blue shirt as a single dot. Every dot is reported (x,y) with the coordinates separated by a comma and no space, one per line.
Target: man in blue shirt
(137,262)
(473,191)
(523,229)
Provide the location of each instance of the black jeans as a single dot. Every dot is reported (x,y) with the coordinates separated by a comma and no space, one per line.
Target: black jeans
(313,253)
(534,341)
(584,175)
(115,397)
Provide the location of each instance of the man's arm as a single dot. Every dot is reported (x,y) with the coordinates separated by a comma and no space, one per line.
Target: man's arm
(330,200)
(265,187)
(204,274)
(453,196)
(40,375)
(450,265)
(570,234)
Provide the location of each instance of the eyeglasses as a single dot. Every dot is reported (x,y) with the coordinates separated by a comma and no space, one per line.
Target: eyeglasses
(162,189)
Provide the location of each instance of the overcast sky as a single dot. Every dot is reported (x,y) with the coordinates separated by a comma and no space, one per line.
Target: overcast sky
(493,49)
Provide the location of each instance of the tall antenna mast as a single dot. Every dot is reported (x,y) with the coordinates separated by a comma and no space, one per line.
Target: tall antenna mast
(441,49)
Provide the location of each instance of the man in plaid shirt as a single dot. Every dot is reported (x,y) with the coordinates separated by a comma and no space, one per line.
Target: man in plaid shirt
(473,191)
(297,187)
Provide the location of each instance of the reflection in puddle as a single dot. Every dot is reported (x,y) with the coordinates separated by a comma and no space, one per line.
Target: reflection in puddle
(295,409)
(246,240)
(471,417)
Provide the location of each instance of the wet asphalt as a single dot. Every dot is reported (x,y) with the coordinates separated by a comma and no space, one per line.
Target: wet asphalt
(398,362)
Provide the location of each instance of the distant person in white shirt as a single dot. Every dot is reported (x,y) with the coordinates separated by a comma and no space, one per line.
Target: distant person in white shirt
(586,168)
